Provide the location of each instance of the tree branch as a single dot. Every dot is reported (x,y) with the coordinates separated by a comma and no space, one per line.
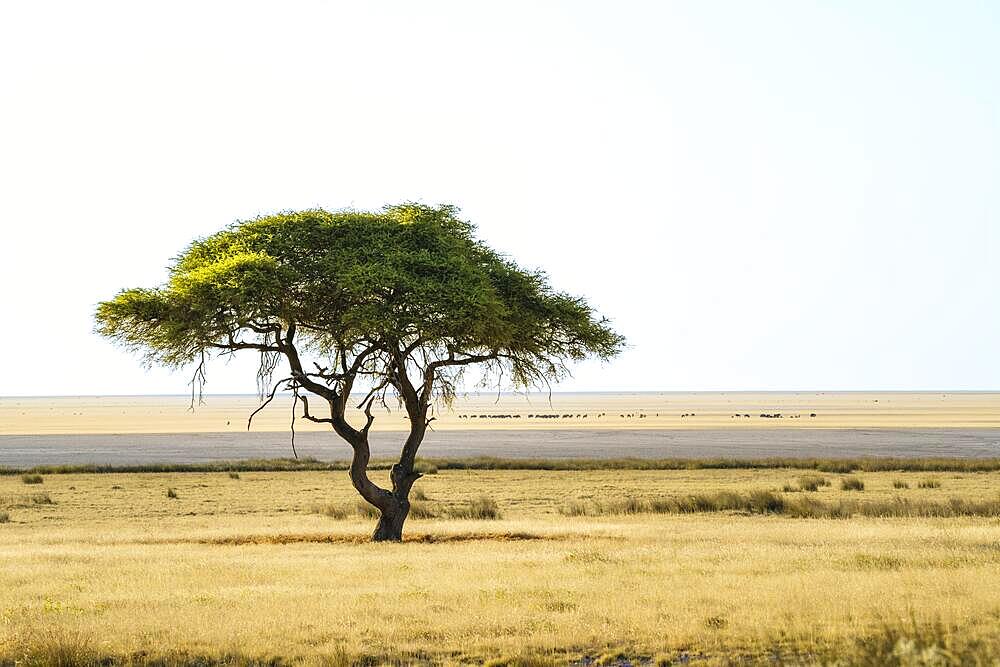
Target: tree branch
(270,398)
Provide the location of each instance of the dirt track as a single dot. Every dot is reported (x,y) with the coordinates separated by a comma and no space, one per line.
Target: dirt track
(28,450)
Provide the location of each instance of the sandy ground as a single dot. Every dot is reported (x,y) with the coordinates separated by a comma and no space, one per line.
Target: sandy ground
(567,411)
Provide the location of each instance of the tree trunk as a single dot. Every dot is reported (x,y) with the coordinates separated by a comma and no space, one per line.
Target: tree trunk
(393,505)
(390,523)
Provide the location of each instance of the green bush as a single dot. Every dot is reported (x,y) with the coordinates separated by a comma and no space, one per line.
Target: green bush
(32,479)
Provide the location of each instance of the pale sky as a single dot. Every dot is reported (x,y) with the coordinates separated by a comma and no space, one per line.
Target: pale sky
(761,195)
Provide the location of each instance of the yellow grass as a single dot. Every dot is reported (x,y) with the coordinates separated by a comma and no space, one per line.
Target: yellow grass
(244,567)
(170,414)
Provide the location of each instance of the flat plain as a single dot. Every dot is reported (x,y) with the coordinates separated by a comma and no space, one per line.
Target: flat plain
(579,567)
(118,430)
(592,566)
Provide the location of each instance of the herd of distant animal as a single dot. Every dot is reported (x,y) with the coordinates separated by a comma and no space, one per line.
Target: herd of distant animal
(629,415)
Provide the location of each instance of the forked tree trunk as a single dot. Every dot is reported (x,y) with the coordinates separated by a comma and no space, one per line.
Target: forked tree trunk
(390,524)
(393,505)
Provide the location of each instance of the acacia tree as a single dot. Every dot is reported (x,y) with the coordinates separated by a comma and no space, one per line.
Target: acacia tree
(395,304)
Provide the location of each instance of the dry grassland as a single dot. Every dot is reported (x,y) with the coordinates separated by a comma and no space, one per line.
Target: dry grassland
(248,568)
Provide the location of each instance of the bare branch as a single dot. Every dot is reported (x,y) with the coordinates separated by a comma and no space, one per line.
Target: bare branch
(270,398)
(307,415)
(198,380)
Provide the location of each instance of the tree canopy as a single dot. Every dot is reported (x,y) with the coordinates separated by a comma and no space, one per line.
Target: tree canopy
(404,298)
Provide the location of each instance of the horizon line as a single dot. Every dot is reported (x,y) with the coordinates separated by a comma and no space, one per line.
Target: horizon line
(553,393)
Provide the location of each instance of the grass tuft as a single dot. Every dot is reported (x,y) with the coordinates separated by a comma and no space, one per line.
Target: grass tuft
(482,508)
(852,484)
(425,467)
(4,517)
(333,510)
(812,482)
(766,502)
(39,499)
(421,510)
(234,475)
(900,484)
(929,483)
(32,479)
(172,493)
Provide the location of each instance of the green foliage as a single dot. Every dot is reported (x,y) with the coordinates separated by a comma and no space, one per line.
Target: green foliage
(32,479)
(348,280)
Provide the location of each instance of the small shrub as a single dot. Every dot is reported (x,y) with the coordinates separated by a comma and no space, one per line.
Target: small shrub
(332,510)
(418,494)
(41,499)
(60,647)
(812,482)
(900,484)
(765,502)
(929,483)
(574,508)
(234,475)
(877,562)
(788,488)
(32,479)
(117,488)
(852,484)
(483,508)
(171,493)
(4,517)
(421,510)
